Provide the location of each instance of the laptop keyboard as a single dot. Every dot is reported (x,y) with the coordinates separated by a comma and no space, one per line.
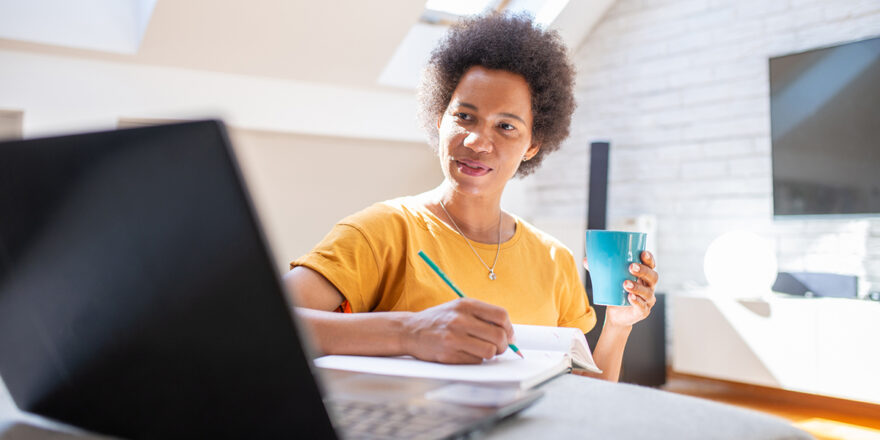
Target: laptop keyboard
(371,420)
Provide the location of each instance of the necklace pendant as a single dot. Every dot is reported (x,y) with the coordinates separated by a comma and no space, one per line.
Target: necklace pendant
(492,275)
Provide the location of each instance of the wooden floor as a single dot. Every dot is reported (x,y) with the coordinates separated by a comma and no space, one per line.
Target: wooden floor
(823,417)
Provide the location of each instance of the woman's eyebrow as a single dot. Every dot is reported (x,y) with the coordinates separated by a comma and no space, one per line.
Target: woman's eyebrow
(511,115)
(473,107)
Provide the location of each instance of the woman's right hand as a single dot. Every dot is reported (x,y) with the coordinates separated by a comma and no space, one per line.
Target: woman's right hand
(464,331)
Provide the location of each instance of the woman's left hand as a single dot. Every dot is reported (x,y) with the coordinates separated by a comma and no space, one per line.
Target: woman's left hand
(641,294)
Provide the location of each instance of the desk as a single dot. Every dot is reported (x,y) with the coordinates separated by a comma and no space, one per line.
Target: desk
(580,407)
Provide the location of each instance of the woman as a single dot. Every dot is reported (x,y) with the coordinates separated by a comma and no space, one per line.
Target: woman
(496,98)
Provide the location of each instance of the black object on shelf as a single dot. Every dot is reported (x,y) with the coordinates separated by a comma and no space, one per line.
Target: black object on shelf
(817,284)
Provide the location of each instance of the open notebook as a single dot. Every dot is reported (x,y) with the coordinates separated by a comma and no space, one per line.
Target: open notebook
(548,351)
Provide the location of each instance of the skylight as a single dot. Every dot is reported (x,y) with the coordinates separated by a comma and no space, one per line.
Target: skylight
(544,11)
(104,25)
(448,11)
(405,66)
(460,7)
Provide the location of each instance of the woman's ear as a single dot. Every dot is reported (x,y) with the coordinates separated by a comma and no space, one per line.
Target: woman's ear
(439,120)
(532,151)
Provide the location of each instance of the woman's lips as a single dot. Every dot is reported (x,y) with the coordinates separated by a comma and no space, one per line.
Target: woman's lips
(472,168)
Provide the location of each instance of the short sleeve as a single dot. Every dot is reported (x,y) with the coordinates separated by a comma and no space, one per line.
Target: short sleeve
(346,258)
(575,310)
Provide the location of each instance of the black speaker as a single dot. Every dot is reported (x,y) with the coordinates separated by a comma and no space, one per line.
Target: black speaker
(597,186)
(597,190)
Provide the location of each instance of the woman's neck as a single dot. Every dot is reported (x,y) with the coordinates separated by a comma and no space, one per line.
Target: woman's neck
(477,216)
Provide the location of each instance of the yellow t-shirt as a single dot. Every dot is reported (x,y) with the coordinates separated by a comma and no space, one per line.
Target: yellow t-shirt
(372,259)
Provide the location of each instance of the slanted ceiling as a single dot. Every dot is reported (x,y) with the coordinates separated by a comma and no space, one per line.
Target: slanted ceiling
(346,42)
(339,42)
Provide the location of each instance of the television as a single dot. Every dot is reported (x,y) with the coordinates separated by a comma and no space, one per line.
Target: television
(825,130)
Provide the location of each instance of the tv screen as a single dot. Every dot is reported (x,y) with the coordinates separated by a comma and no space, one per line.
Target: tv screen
(825,130)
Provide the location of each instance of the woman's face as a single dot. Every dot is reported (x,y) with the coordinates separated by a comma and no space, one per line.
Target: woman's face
(486,130)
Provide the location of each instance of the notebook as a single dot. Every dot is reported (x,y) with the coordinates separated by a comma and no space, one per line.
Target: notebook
(547,351)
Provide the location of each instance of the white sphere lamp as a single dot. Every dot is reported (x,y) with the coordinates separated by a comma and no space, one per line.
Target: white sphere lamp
(740,264)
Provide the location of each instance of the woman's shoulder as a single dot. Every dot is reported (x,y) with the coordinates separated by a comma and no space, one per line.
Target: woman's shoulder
(537,238)
(401,212)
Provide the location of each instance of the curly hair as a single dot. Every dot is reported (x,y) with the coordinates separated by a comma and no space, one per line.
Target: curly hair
(504,42)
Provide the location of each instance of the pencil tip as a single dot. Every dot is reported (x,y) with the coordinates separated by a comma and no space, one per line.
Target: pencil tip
(520,354)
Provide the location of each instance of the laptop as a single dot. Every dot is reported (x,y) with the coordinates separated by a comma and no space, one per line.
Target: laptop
(138,299)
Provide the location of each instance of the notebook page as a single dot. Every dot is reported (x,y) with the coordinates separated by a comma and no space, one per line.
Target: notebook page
(581,356)
(539,337)
(564,339)
(505,369)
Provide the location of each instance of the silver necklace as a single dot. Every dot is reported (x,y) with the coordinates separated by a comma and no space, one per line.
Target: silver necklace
(497,251)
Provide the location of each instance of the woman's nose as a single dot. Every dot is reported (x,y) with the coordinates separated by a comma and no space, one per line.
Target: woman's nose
(477,141)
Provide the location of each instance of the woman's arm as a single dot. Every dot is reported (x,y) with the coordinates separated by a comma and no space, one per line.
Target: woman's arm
(608,353)
(460,331)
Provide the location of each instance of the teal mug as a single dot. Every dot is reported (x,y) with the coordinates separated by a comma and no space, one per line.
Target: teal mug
(609,254)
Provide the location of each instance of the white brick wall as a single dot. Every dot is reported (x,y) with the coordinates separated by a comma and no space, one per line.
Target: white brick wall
(681,89)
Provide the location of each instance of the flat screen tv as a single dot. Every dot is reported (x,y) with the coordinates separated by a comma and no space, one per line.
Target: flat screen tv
(825,130)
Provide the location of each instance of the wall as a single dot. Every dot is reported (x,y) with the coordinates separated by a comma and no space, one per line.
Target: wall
(680,87)
(366,140)
(303,184)
(61,93)
(10,125)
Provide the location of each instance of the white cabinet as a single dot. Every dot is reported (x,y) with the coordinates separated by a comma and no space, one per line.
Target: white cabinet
(827,346)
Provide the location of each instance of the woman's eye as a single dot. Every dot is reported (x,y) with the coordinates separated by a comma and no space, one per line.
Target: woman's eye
(463,116)
(506,127)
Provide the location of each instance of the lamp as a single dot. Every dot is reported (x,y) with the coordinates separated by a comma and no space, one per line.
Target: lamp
(740,264)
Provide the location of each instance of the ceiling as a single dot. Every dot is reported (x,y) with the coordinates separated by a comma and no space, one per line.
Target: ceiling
(339,42)
(345,42)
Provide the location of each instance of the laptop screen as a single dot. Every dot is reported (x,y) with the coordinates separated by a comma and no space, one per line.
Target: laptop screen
(137,294)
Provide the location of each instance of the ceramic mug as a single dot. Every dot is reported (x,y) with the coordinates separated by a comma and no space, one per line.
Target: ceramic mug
(609,255)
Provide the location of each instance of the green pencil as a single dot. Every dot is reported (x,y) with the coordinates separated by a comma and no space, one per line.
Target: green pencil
(455,289)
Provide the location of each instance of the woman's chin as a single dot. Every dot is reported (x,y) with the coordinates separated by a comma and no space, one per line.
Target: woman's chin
(476,185)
